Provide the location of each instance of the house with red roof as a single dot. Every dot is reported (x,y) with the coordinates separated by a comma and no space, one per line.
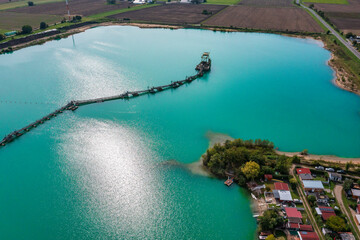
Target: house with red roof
(281,186)
(358,209)
(293,215)
(303,171)
(268,177)
(308,235)
(325,212)
(301,227)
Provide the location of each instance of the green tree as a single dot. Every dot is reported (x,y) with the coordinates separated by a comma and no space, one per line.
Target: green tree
(270,237)
(2,36)
(304,152)
(348,183)
(349,165)
(296,159)
(270,220)
(283,164)
(43,25)
(312,200)
(251,170)
(336,224)
(30,4)
(26,29)
(293,183)
(111,1)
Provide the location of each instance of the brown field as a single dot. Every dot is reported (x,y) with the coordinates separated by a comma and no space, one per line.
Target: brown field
(267,3)
(344,17)
(77,7)
(346,23)
(172,13)
(278,19)
(14,21)
(352,7)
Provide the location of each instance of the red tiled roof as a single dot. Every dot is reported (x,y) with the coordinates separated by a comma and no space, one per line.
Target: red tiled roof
(308,235)
(303,171)
(281,186)
(327,215)
(268,176)
(293,225)
(358,207)
(308,228)
(292,213)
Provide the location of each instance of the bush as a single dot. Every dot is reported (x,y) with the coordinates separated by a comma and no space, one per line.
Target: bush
(111,1)
(2,37)
(312,200)
(30,4)
(43,25)
(76,18)
(26,29)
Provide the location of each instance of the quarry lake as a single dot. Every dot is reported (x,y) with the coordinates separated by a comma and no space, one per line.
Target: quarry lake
(105,172)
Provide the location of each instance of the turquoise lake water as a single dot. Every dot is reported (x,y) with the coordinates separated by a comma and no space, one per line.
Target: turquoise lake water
(98,173)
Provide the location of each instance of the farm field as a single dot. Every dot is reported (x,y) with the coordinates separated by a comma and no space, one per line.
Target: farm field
(328,1)
(172,13)
(14,21)
(345,17)
(267,3)
(352,7)
(5,4)
(79,7)
(277,19)
(222,2)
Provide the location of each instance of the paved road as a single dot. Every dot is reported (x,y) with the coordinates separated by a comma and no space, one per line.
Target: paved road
(338,195)
(353,50)
(307,207)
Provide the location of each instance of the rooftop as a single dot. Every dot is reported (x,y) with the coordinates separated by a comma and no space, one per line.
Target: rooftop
(281,186)
(303,171)
(306,176)
(355,192)
(292,213)
(308,235)
(285,195)
(314,184)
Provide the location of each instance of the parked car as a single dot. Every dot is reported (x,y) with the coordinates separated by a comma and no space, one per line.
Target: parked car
(340,171)
(329,169)
(319,168)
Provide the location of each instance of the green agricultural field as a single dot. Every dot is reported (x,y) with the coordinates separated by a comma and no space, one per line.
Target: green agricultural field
(14,21)
(23,3)
(222,2)
(328,1)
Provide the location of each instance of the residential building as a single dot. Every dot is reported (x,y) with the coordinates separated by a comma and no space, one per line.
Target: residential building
(268,177)
(358,209)
(355,193)
(335,177)
(313,186)
(325,212)
(303,171)
(308,235)
(281,186)
(306,176)
(282,196)
(293,215)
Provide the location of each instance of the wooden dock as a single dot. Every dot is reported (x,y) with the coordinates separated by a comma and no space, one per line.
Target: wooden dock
(203,67)
(229,181)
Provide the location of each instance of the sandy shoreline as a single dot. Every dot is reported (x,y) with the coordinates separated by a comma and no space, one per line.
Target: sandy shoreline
(327,158)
